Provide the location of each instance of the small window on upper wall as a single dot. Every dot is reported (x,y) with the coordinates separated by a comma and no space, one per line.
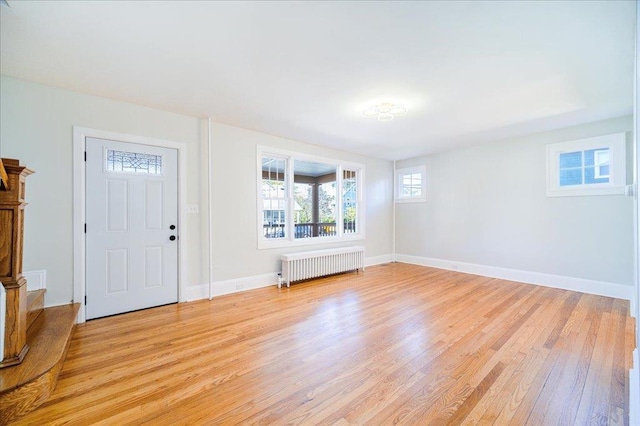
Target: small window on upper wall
(411,184)
(592,166)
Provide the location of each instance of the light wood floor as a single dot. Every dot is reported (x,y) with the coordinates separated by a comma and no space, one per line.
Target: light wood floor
(395,344)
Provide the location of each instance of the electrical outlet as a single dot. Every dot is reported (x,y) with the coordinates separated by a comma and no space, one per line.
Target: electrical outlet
(192,208)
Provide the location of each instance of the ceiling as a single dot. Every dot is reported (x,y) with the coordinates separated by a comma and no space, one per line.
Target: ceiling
(468,72)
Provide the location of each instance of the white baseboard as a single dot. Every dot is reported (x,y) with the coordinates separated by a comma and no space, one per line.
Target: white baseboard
(235,285)
(53,305)
(600,288)
(634,391)
(378,260)
(195,292)
(218,288)
(36,280)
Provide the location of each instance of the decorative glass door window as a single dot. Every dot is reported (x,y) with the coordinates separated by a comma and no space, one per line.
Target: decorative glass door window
(133,162)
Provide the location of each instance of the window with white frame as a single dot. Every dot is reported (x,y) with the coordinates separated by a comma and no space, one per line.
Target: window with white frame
(411,184)
(274,199)
(307,200)
(591,166)
(350,203)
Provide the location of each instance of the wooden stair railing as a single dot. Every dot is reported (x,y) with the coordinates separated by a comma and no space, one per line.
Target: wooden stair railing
(25,386)
(12,204)
(28,382)
(4,179)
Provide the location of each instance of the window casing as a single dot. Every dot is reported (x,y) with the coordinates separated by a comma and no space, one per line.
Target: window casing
(591,166)
(305,199)
(410,184)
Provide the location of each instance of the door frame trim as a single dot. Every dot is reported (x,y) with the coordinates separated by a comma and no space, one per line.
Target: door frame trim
(79,206)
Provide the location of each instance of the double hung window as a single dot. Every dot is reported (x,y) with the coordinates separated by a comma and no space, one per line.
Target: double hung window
(306,200)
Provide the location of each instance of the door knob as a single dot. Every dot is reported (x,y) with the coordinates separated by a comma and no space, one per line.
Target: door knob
(172,238)
(172,227)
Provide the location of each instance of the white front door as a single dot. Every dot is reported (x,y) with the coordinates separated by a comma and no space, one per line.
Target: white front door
(131,227)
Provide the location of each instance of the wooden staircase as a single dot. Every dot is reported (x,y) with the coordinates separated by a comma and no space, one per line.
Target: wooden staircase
(35,339)
(35,306)
(25,386)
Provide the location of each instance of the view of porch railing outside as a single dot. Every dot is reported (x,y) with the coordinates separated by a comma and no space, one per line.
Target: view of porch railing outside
(308,230)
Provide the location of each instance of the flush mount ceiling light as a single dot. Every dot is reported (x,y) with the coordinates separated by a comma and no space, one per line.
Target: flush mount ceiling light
(385,111)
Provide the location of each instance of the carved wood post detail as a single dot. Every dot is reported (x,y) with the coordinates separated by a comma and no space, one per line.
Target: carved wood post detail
(11,237)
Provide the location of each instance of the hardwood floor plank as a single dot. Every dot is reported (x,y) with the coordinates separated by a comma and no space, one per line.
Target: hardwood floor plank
(397,344)
(566,390)
(484,411)
(531,347)
(417,401)
(563,379)
(554,352)
(618,396)
(469,403)
(514,354)
(468,370)
(594,404)
(523,379)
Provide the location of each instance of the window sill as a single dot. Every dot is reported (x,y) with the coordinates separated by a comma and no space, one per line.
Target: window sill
(582,192)
(411,200)
(264,244)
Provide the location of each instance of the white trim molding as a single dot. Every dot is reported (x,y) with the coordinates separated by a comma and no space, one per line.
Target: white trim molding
(36,280)
(219,288)
(600,288)
(196,292)
(236,285)
(378,260)
(79,186)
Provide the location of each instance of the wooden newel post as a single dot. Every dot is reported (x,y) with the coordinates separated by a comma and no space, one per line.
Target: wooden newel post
(12,205)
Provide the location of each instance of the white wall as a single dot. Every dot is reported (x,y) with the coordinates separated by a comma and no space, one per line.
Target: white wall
(36,127)
(235,215)
(486,205)
(634,373)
